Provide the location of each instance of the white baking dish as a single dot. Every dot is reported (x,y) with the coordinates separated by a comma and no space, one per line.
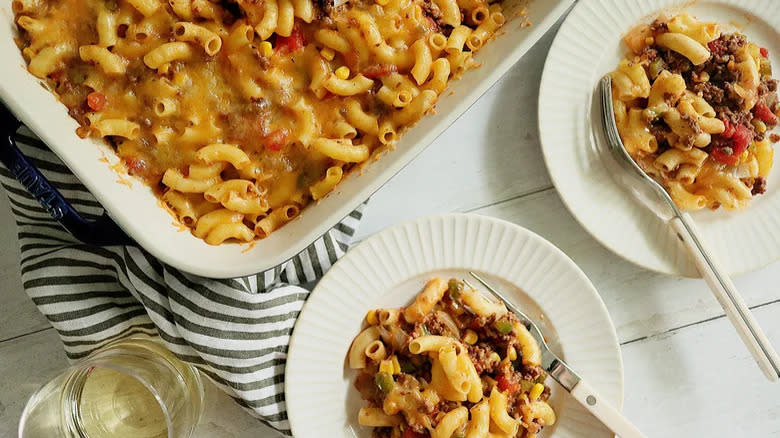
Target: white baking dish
(137,211)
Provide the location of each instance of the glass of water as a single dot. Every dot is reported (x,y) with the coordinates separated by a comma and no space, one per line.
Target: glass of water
(133,387)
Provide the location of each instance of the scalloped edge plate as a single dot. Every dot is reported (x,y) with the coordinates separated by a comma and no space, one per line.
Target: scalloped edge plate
(390,267)
(589,45)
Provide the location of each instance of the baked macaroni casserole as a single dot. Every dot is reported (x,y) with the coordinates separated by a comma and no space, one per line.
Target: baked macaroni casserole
(241,112)
(452,364)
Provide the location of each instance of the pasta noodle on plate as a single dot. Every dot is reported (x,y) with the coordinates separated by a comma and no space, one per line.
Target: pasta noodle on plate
(451,364)
(695,107)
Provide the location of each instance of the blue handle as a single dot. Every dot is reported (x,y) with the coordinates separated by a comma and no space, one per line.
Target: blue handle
(103,231)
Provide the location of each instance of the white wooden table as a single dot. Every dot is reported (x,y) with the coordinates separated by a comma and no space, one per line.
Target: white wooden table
(686,372)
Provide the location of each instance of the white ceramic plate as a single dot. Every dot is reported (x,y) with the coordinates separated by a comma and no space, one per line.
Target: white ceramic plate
(587,47)
(390,267)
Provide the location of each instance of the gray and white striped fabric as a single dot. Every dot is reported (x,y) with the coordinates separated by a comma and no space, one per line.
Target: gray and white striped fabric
(236,331)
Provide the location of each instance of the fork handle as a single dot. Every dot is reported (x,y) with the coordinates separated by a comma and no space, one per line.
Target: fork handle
(604,411)
(729,298)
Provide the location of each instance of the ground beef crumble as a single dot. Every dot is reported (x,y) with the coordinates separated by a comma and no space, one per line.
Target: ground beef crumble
(649,53)
(675,62)
(480,354)
(435,325)
(658,26)
(382,432)
(759,186)
(710,92)
(432,11)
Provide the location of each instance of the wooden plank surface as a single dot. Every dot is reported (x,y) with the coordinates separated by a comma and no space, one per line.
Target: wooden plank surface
(22,316)
(641,303)
(701,382)
(26,363)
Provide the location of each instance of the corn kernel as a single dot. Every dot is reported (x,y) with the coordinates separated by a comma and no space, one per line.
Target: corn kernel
(396,365)
(386,366)
(328,53)
(759,125)
(536,391)
(371,317)
(494,357)
(511,353)
(382,2)
(266,49)
(744,157)
(342,72)
(470,337)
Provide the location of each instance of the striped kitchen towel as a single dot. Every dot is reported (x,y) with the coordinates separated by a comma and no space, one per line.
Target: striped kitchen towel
(236,331)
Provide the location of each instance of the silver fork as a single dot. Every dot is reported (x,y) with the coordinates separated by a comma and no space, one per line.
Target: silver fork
(568,379)
(631,177)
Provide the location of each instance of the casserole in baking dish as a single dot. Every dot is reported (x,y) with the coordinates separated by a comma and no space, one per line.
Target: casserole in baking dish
(135,208)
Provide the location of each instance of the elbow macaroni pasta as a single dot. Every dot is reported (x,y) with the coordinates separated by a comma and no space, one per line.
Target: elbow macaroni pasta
(694,107)
(241,116)
(450,365)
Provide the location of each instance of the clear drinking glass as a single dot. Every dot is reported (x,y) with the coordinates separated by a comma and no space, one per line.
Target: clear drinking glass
(133,387)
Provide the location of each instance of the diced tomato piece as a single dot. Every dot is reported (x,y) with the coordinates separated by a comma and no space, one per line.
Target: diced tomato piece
(294,42)
(764,52)
(741,139)
(379,70)
(96,101)
(764,114)
(728,149)
(276,139)
(720,154)
(410,433)
(505,382)
(502,382)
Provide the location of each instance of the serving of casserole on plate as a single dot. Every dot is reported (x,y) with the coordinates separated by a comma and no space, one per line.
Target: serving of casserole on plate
(328,376)
(238,124)
(734,175)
